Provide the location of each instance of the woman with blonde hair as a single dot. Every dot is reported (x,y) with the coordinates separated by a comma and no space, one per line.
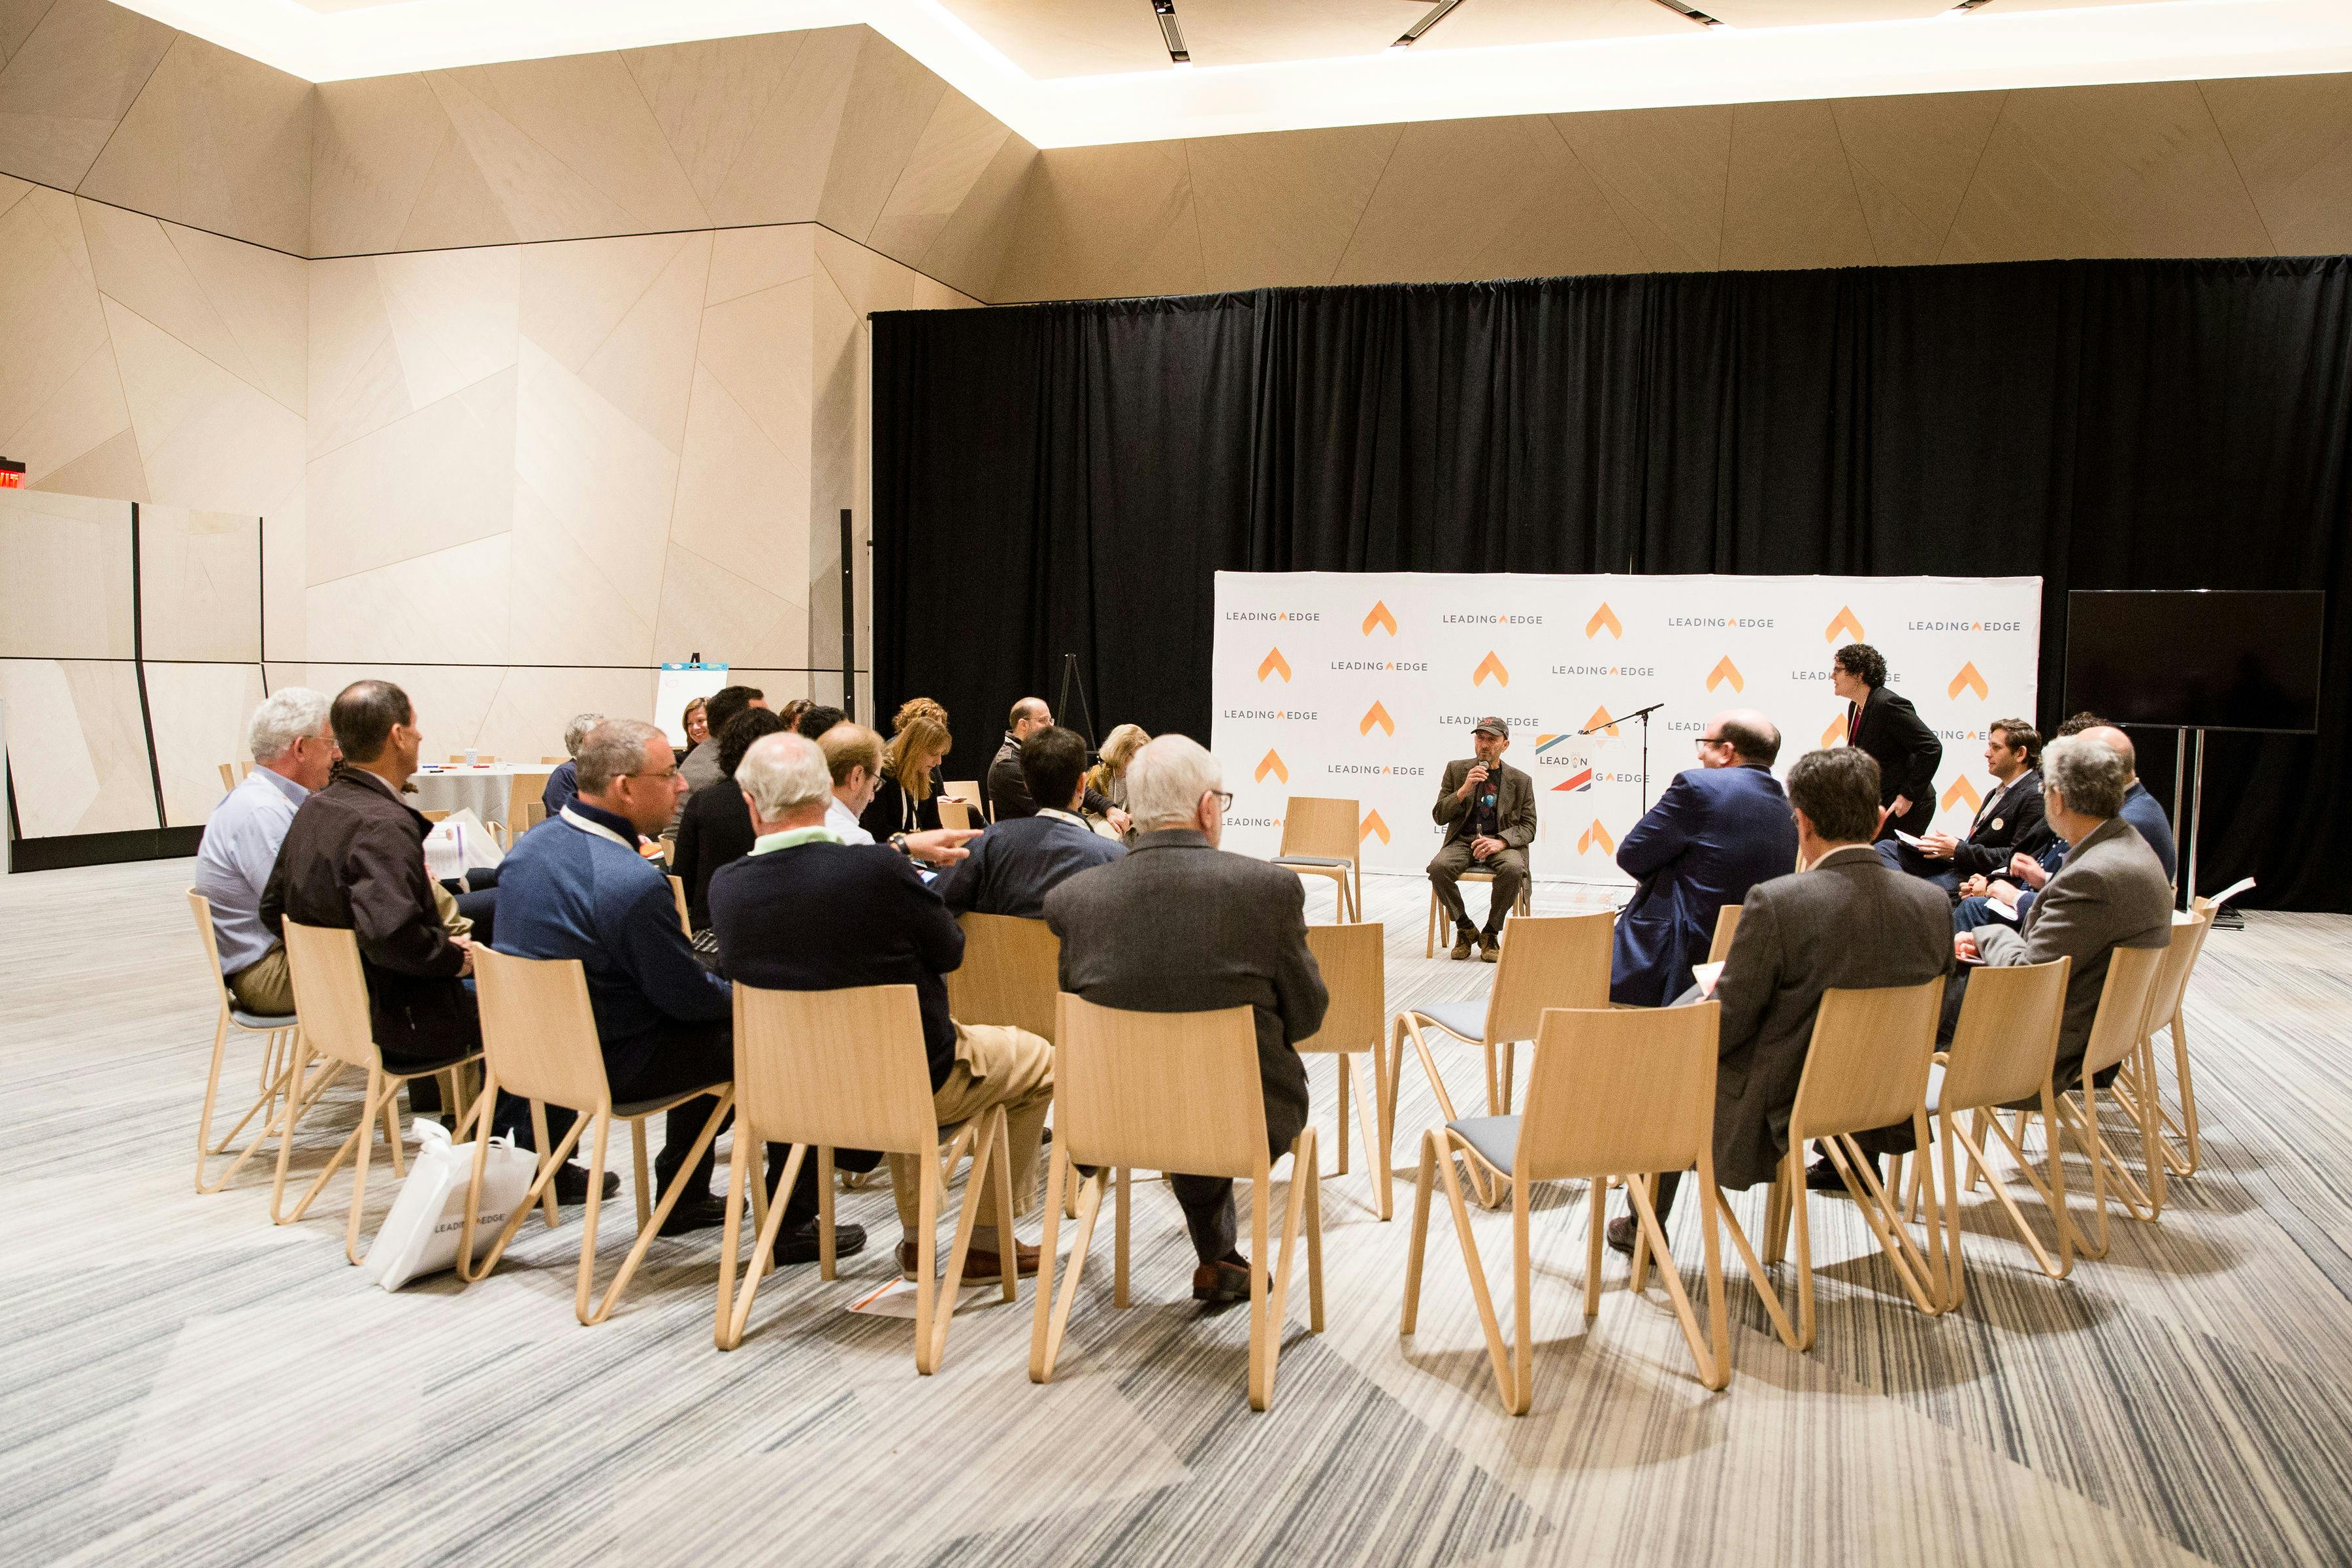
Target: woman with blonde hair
(909,798)
(1109,776)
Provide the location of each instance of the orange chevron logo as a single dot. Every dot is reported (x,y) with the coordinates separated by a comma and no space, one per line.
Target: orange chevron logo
(1725,670)
(1595,835)
(1489,665)
(1598,715)
(1966,679)
(1604,616)
(1835,733)
(1273,663)
(1959,789)
(1380,616)
(1377,715)
(1373,828)
(1843,621)
(1272,764)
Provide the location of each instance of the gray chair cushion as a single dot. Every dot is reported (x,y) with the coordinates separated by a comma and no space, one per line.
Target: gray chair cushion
(1496,1138)
(1468,1019)
(261,1020)
(646,1107)
(1309,860)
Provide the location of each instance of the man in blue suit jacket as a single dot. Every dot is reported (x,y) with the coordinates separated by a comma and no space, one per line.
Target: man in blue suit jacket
(1719,829)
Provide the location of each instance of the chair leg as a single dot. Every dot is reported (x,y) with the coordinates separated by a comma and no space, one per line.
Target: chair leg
(1597,1224)
(392,1125)
(538,1127)
(301,1095)
(1262,1343)
(540,1180)
(1438,1160)
(1008,1246)
(1118,1253)
(278,1088)
(645,1193)
(1429,940)
(828,1265)
(1711,1350)
(985,1147)
(1314,1240)
(212,1088)
(734,1312)
(1054,1309)
(1371,1113)
(1920,1282)
(1341,1097)
(1523,1372)
(600,1135)
(2188,1091)
(2151,1129)
(380,1090)
(1765,1289)
(1407,1025)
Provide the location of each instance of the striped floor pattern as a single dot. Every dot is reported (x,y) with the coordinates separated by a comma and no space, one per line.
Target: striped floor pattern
(183,1383)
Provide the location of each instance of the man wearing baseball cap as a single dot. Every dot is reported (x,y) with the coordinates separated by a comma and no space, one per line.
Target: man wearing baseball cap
(1488,811)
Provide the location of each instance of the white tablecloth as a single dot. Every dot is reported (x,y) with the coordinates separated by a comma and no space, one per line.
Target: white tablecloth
(484,789)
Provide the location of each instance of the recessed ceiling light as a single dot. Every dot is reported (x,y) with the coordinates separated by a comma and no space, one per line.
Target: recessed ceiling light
(1171,32)
(1437,13)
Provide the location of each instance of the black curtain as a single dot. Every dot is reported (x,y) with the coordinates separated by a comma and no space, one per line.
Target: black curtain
(1068,477)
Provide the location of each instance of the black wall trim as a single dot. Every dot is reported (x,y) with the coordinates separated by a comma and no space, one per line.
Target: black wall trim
(104,848)
(139,670)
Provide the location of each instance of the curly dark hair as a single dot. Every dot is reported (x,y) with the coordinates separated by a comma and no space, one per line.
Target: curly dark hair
(1864,662)
(749,725)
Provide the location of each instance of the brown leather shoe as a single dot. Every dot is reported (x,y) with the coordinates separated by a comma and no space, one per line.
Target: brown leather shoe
(978,1265)
(1490,947)
(1222,1283)
(1462,945)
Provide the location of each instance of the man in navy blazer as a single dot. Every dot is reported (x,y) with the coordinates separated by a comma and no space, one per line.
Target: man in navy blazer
(1719,829)
(1012,867)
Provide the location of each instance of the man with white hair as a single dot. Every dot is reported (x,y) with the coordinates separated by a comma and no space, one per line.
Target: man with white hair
(807,911)
(1177,926)
(563,783)
(293,752)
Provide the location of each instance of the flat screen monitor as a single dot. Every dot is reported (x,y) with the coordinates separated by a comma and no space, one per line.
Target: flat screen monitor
(2201,660)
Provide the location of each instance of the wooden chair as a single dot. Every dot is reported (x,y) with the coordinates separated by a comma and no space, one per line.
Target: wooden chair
(954,814)
(1727,926)
(1865,1066)
(1522,907)
(677,897)
(1010,975)
(484,757)
(1320,838)
(1613,1092)
(1169,1091)
(434,816)
(2004,1049)
(846,1070)
(1558,961)
(533,814)
(969,789)
(554,762)
(539,1041)
(277,1057)
(331,1001)
(523,792)
(1354,964)
(2139,1083)
(2118,1030)
(228,776)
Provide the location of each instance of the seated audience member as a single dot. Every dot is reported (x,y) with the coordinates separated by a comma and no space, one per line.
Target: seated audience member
(854,755)
(1719,829)
(792,710)
(2110,892)
(1008,795)
(579,890)
(2141,809)
(1847,920)
(1176,926)
(1014,865)
(2012,888)
(564,783)
(1107,778)
(696,722)
(2021,882)
(813,720)
(717,709)
(908,797)
(806,911)
(716,826)
(2009,824)
(293,753)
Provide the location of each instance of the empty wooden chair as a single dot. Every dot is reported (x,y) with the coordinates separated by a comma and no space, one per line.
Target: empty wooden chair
(1613,1092)
(1010,973)
(955,815)
(539,1041)
(1866,1067)
(1170,1092)
(2139,1086)
(1320,838)
(677,897)
(277,1057)
(1354,966)
(2004,1049)
(969,791)
(331,1001)
(846,1070)
(2117,1030)
(523,792)
(1558,961)
(1727,926)
(1523,906)
(228,776)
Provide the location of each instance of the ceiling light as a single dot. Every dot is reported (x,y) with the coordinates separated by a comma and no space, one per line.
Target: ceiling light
(1171,33)
(1969,4)
(1437,13)
(1682,8)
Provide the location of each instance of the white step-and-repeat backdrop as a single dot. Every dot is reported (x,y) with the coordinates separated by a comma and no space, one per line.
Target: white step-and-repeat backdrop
(1364,685)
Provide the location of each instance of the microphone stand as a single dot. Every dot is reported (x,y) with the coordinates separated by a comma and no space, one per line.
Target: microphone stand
(1644,715)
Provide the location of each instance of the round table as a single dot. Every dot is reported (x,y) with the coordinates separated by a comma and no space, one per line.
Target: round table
(485,787)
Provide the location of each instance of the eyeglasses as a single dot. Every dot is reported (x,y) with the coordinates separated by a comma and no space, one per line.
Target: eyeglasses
(1704,742)
(1224,799)
(665,773)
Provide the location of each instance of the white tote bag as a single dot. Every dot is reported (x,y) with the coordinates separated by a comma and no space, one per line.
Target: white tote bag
(421,1233)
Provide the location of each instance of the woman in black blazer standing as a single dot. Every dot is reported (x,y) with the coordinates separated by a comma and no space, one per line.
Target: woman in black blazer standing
(1891,732)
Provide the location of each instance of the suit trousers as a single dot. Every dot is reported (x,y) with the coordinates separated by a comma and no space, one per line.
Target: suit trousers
(1207,1201)
(996,1065)
(1445,869)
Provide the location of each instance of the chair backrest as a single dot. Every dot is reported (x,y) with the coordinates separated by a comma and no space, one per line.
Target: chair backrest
(331,993)
(533,813)
(1321,826)
(1619,1089)
(1354,964)
(677,897)
(228,776)
(434,816)
(523,790)
(2007,1036)
(539,1033)
(2124,1007)
(1160,1091)
(1549,961)
(202,908)
(2189,932)
(556,762)
(956,814)
(1867,1063)
(969,789)
(842,1068)
(1010,975)
(1727,926)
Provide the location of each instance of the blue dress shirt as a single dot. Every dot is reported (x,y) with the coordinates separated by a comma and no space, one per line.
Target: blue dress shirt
(233,863)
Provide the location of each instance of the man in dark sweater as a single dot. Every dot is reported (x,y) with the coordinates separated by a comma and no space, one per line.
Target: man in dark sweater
(1012,867)
(806,911)
(1008,792)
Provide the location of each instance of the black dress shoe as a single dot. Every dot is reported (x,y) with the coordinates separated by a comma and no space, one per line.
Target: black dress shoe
(800,1246)
(1621,1234)
(572,1183)
(693,1214)
(1821,1176)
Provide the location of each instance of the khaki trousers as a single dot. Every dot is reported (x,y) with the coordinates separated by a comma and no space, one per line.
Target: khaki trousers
(265,985)
(996,1065)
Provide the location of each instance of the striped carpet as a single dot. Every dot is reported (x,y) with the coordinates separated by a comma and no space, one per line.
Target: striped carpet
(185,1384)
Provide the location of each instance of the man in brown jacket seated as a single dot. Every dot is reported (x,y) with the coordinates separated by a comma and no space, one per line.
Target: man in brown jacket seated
(1488,811)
